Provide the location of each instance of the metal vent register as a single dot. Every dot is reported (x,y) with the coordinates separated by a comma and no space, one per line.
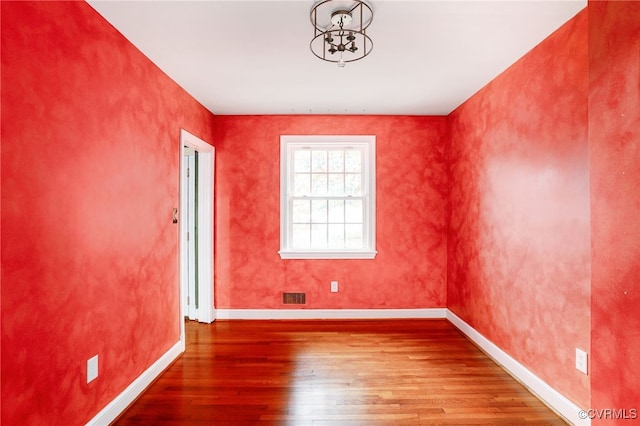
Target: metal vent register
(294,298)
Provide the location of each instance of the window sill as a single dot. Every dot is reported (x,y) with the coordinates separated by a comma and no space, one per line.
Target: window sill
(311,254)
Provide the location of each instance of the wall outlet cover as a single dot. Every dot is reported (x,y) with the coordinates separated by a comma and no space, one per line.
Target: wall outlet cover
(581,360)
(92,369)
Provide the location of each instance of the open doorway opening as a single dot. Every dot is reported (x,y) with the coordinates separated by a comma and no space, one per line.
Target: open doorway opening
(190,293)
(197,163)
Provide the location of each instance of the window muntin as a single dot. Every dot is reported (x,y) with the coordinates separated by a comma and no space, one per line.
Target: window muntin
(328,197)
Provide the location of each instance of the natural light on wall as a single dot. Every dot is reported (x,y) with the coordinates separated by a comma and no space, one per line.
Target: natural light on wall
(327,197)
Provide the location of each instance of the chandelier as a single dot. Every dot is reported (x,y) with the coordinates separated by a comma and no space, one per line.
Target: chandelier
(339,30)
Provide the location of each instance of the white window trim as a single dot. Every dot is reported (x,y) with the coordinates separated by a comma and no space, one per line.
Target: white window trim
(293,141)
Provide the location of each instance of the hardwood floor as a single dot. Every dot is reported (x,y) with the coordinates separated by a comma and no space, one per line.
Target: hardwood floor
(387,372)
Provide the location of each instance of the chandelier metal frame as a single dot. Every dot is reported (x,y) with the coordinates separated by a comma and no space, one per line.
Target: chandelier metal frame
(339,30)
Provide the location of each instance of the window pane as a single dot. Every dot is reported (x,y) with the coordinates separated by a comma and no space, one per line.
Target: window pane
(353,236)
(336,235)
(302,160)
(353,211)
(353,161)
(301,237)
(336,161)
(301,211)
(336,184)
(319,211)
(318,184)
(318,236)
(353,184)
(336,211)
(319,161)
(301,184)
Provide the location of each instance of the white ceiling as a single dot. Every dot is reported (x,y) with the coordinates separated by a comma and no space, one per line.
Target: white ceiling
(253,57)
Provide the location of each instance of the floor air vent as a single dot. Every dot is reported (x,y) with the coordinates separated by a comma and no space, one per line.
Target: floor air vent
(294,298)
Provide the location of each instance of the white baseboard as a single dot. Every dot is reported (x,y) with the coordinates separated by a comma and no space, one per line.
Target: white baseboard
(293,314)
(122,401)
(539,387)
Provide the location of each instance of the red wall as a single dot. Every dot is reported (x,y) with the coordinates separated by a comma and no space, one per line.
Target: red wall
(90,137)
(519,254)
(614,136)
(410,268)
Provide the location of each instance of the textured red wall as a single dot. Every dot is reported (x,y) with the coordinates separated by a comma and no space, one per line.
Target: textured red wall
(519,254)
(410,268)
(614,137)
(90,137)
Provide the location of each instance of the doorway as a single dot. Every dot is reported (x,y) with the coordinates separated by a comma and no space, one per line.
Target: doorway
(197,165)
(190,293)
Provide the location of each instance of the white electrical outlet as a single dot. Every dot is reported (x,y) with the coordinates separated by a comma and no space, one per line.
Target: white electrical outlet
(581,360)
(92,368)
(334,286)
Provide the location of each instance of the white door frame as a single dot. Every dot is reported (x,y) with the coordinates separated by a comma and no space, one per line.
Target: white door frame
(206,164)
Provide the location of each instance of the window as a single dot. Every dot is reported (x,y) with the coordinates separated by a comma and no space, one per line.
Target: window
(327,197)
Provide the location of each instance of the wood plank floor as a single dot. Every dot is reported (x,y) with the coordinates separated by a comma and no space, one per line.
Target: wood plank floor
(388,372)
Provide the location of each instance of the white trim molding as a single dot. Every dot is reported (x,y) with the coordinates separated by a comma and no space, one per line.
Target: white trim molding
(137,387)
(293,314)
(344,254)
(548,395)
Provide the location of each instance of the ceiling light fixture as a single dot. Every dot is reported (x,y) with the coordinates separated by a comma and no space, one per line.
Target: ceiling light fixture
(339,30)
